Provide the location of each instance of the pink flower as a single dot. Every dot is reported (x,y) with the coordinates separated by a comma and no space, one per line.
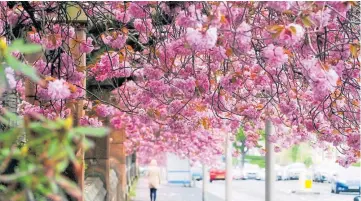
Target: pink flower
(12,17)
(52,41)
(151,72)
(201,41)
(94,122)
(279,5)
(143,27)
(42,67)
(275,55)
(35,38)
(104,110)
(292,33)
(244,36)
(121,16)
(2,25)
(86,46)
(116,42)
(322,17)
(136,10)
(58,89)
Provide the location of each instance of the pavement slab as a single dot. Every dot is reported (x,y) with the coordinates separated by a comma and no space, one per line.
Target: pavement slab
(171,192)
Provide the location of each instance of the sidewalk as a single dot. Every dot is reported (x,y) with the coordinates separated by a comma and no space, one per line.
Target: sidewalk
(171,192)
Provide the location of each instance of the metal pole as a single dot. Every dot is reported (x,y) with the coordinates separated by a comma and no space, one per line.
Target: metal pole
(270,162)
(228,168)
(205,183)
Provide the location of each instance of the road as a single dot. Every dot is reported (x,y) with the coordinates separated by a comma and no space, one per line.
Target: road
(252,190)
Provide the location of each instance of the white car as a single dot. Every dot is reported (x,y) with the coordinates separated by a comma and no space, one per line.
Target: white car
(237,173)
(261,174)
(281,173)
(250,171)
(294,171)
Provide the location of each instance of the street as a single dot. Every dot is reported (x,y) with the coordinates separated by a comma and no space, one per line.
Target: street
(252,190)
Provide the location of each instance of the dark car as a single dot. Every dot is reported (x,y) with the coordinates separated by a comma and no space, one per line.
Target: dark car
(357,198)
(346,181)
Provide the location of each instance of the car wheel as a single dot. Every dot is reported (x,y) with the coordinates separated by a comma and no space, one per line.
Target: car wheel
(332,191)
(337,191)
(210,180)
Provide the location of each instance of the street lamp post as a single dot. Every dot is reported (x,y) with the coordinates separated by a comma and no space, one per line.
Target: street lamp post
(205,183)
(228,168)
(270,162)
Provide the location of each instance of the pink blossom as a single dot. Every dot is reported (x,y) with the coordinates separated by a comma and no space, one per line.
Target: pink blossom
(87,121)
(52,41)
(117,41)
(322,17)
(42,67)
(244,36)
(86,46)
(152,72)
(2,24)
(292,33)
(104,110)
(121,16)
(58,89)
(201,41)
(12,17)
(20,88)
(136,10)
(143,26)
(279,5)
(35,38)
(275,55)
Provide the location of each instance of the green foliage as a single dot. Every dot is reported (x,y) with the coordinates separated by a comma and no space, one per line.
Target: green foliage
(133,188)
(240,140)
(294,153)
(356,164)
(257,160)
(51,145)
(6,56)
(308,161)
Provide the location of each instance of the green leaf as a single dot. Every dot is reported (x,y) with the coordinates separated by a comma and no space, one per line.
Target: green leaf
(19,45)
(22,67)
(53,147)
(12,116)
(62,165)
(89,131)
(2,77)
(70,153)
(87,144)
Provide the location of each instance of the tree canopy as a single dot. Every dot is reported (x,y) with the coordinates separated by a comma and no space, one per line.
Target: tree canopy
(181,74)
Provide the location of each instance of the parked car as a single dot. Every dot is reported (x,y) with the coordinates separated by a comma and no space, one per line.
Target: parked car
(294,170)
(250,171)
(237,173)
(357,198)
(322,173)
(218,173)
(346,181)
(197,173)
(261,175)
(281,173)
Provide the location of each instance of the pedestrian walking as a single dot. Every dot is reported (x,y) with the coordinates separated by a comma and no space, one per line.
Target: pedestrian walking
(153,179)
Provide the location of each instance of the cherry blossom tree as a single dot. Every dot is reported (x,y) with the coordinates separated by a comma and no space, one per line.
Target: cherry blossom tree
(183,74)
